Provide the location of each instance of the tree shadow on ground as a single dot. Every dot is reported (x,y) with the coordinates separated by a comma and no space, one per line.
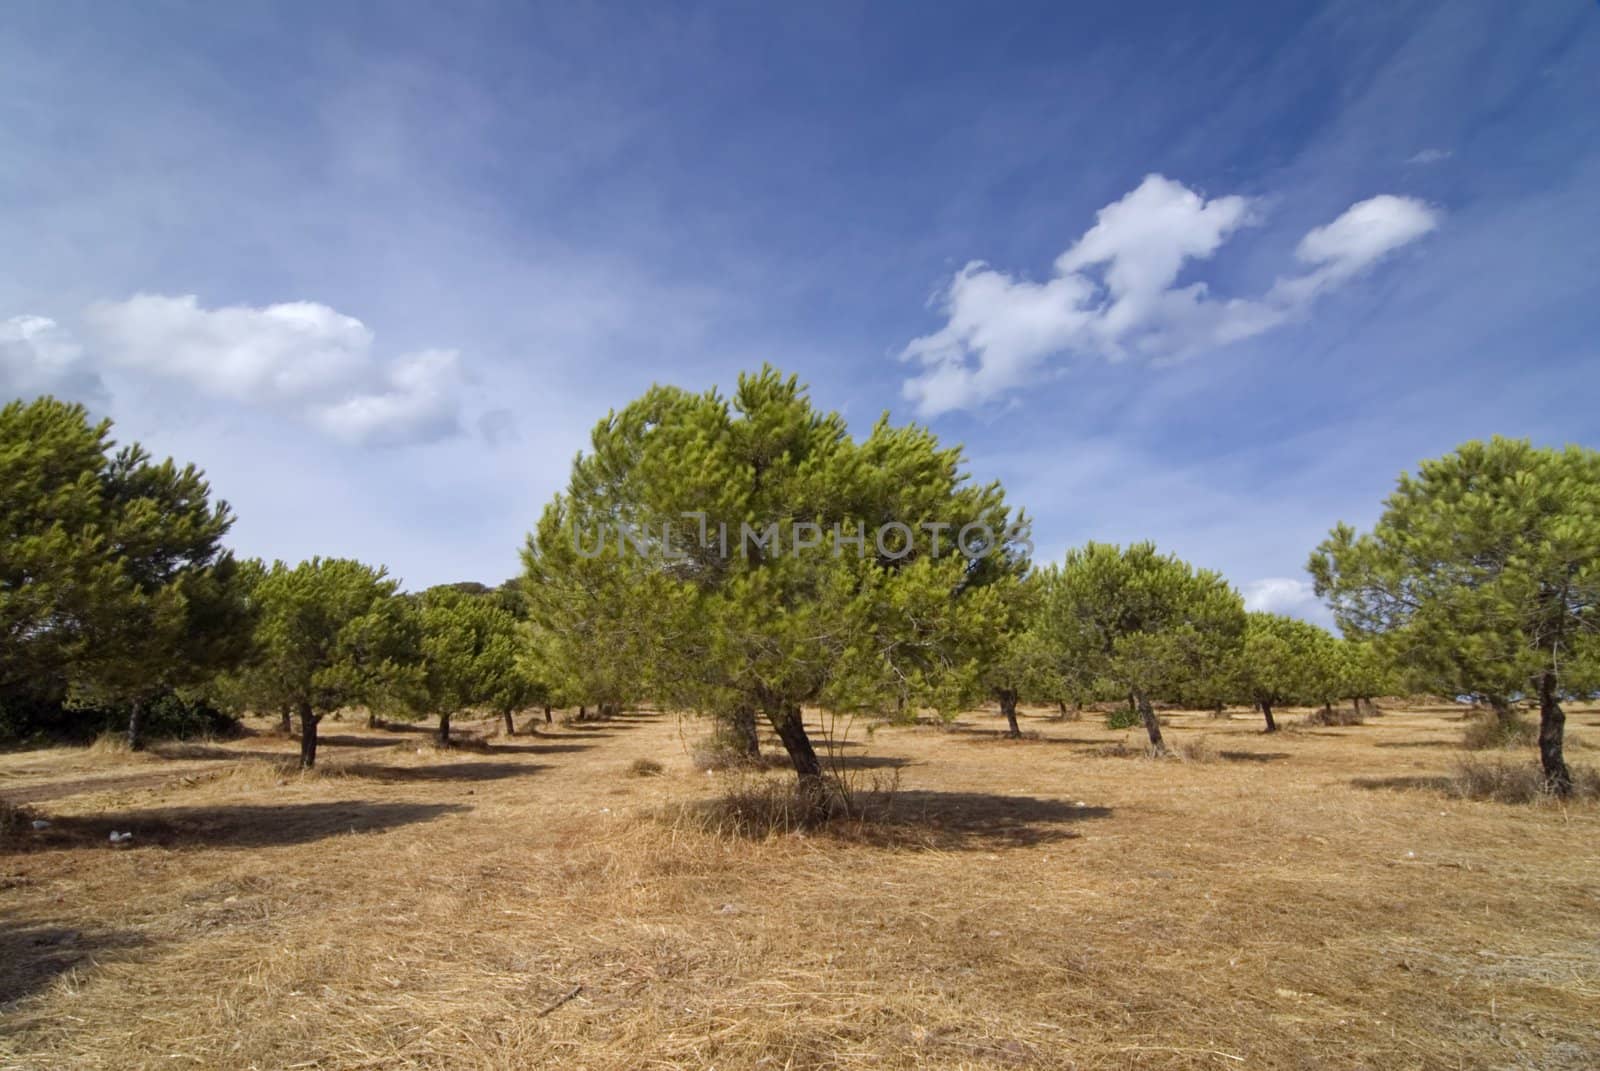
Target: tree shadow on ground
(1429,783)
(989,736)
(536,749)
(1252,756)
(861,762)
(181,750)
(342,740)
(972,821)
(237,826)
(444,771)
(1449,744)
(32,955)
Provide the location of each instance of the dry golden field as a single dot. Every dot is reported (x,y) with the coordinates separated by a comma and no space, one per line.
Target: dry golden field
(1310,899)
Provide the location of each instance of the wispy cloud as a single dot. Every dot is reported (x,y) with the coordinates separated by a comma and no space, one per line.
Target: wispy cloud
(1429,156)
(1113,293)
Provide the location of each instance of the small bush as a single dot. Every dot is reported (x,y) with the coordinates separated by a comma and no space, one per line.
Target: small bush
(1197,750)
(1487,732)
(1336,715)
(646,768)
(1122,718)
(1515,782)
(753,806)
(15,819)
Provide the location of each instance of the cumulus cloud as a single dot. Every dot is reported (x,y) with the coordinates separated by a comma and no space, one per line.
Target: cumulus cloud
(301,355)
(1114,294)
(1285,595)
(38,357)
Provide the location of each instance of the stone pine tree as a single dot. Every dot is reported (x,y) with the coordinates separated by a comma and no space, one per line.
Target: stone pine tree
(181,616)
(59,568)
(330,633)
(1143,621)
(470,648)
(1022,663)
(725,554)
(1283,660)
(1482,575)
(114,586)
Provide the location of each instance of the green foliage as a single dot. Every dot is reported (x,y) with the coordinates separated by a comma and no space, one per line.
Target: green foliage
(1122,718)
(1147,622)
(1286,661)
(329,633)
(715,621)
(471,654)
(1482,577)
(114,586)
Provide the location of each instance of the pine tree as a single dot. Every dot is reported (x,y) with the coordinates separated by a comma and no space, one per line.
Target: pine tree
(1146,622)
(724,554)
(1482,577)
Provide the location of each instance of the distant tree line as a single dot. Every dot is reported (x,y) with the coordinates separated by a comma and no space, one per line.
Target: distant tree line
(120,605)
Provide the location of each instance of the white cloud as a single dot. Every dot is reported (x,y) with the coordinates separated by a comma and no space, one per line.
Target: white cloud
(278,352)
(419,404)
(1430,156)
(1366,233)
(302,355)
(1285,595)
(38,357)
(999,329)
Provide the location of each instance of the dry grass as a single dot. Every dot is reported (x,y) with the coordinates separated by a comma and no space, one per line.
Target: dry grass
(1308,899)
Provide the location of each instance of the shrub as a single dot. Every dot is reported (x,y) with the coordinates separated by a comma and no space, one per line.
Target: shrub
(1335,715)
(1515,782)
(14,820)
(646,768)
(752,806)
(1122,718)
(1197,750)
(1486,732)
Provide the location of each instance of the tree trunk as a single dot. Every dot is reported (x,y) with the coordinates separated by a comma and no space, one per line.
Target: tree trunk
(308,737)
(1152,724)
(444,729)
(511,725)
(372,719)
(744,732)
(1504,713)
(791,729)
(135,725)
(583,712)
(1008,707)
(286,722)
(548,719)
(1266,710)
(1552,730)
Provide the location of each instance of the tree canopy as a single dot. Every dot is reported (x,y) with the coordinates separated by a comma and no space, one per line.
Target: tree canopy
(782,562)
(1482,577)
(1145,621)
(114,585)
(329,633)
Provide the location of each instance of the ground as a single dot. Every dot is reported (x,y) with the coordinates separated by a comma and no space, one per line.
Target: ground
(1306,899)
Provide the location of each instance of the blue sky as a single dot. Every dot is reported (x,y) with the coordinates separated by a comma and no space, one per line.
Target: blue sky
(1207,274)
